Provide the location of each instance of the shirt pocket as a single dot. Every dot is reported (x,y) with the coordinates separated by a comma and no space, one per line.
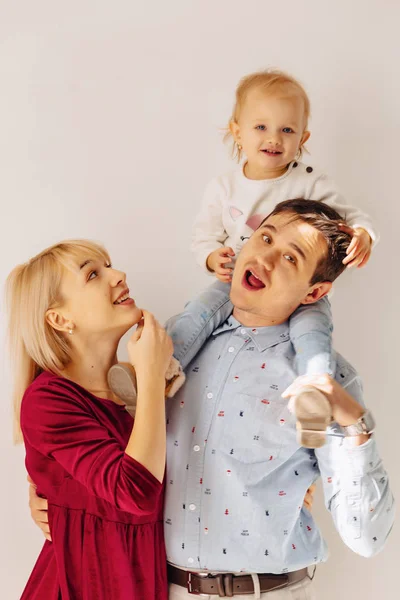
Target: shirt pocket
(258,430)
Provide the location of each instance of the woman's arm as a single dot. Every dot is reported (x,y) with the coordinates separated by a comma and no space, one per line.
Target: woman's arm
(58,422)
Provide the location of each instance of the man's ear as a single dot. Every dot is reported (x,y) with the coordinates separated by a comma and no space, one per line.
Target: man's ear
(57,321)
(235,130)
(317,291)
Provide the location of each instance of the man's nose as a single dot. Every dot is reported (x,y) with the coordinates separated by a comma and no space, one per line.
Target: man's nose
(269,258)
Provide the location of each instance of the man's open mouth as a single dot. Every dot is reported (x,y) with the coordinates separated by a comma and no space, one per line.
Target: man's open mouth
(252,282)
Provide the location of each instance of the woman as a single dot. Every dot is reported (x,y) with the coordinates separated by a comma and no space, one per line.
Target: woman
(101,471)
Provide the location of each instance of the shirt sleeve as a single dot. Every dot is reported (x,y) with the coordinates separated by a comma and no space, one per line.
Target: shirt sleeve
(209,231)
(356,489)
(325,190)
(59,424)
(190,329)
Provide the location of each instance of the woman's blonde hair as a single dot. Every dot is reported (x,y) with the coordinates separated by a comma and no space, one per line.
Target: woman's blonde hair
(273,82)
(31,289)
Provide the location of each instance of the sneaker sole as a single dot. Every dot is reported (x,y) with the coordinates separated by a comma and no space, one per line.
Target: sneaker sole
(313,413)
(122,381)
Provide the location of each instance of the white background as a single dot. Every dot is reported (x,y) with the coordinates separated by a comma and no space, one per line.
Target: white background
(110,117)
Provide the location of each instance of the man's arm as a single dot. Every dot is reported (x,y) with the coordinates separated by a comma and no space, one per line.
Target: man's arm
(190,329)
(356,488)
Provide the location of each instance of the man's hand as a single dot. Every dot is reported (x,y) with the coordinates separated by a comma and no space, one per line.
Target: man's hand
(360,247)
(39,509)
(216,261)
(309,497)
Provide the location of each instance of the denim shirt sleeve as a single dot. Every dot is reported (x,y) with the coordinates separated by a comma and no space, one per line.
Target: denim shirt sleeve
(356,488)
(190,329)
(311,335)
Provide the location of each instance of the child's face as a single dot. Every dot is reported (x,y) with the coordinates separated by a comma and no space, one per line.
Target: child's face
(271,130)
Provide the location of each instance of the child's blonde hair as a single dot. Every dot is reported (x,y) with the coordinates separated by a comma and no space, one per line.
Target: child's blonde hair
(31,289)
(273,82)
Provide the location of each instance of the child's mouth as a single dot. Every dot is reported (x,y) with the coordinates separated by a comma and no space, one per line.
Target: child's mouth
(271,152)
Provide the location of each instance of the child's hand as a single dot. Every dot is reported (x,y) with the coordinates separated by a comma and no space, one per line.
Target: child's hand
(359,251)
(216,261)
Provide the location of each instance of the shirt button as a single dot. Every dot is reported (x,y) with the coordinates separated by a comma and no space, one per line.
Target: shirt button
(231,349)
(196,448)
(190,560)
(192,506)
(243,331)
(210,395)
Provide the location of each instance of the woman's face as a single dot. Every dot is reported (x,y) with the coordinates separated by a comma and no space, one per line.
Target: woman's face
(95,299)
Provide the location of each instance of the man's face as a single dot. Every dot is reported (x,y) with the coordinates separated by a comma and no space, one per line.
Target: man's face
(274,269)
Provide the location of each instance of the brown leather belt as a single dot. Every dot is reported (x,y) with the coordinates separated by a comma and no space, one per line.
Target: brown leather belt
(229,585)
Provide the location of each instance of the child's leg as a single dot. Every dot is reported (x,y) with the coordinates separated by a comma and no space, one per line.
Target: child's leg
(311,335)
(189,331)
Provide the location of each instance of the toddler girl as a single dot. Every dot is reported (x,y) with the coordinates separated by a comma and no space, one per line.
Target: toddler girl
(268,129)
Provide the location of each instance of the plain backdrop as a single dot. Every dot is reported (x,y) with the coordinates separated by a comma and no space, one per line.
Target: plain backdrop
(110,127)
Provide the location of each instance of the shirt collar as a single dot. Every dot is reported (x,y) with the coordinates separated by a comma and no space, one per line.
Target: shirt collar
(263,337)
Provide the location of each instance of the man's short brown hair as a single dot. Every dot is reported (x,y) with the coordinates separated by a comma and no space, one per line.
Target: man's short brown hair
(326,220)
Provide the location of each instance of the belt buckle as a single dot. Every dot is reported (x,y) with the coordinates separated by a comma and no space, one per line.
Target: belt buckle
(219,579)
(189,585)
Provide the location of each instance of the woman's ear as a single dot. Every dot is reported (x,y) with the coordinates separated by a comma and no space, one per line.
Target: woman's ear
(317,291)
(57,321)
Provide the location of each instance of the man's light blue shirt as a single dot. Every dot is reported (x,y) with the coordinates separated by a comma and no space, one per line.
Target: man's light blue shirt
(236,476)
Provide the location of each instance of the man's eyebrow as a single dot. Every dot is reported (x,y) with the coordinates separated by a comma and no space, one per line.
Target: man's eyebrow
(298,250)
(85,263)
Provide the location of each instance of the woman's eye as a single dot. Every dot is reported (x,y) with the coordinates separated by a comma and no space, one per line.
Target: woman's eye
(261,127)
(289,258)
(287,130)
(267,239)
(108,266)
(92,273)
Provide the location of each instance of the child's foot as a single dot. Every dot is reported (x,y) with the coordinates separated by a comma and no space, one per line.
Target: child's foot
(313,413)
(122,381)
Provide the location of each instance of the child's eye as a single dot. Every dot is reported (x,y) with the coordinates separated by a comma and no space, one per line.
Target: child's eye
(289,258)
(95,273)
(108,266)
(266,239)
(287,130)
(261,127)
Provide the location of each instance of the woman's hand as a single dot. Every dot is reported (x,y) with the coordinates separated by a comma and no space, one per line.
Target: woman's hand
(150,348)
(38,507)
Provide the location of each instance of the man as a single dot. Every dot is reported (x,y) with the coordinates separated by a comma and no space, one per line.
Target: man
(236,475)
(237,478)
